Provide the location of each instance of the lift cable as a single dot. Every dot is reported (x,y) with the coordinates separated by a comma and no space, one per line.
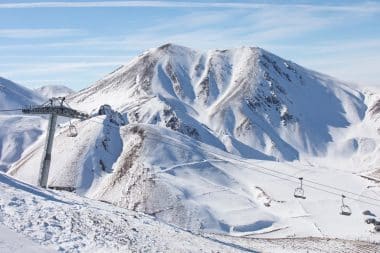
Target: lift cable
(10,110)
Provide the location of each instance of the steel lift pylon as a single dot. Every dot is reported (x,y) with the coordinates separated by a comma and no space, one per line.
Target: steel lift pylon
(54,107)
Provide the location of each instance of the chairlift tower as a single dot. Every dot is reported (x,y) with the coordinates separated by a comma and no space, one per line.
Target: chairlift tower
(54,107)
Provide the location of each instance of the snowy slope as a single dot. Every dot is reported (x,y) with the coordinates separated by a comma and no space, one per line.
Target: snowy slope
(35,220)
(18,132)
(355,149)
(50,91)
(11,242)
(72,224)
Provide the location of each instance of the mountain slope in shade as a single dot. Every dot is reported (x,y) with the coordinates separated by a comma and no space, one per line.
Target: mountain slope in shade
(246,100)
(15,96)
(18,132)
(50,91)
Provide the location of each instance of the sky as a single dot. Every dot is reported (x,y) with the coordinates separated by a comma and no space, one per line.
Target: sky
(75,43)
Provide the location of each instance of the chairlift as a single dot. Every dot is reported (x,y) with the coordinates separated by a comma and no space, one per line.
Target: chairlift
(72,131)
(345,209)
(299,192)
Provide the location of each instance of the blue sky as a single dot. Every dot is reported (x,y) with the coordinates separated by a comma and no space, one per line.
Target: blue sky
(74,43)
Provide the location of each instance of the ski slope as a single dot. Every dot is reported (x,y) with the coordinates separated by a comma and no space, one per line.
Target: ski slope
(36,220)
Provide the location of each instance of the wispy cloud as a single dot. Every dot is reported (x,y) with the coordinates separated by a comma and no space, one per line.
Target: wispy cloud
(363,7)
(38,33)
(59,67)
(305,33)
(93,42)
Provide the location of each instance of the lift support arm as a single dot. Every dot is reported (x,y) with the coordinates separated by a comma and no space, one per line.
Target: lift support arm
(54,111)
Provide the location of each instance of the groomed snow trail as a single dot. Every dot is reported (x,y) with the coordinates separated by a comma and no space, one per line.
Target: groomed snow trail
(301,245)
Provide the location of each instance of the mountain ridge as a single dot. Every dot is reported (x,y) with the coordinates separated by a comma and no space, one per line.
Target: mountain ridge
(49,91)
(247,86)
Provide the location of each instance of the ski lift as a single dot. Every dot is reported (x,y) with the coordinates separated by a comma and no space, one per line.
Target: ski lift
(345,209)
(299,192)
(72,131)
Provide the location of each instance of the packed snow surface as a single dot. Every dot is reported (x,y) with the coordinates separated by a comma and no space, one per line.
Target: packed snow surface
(12,242)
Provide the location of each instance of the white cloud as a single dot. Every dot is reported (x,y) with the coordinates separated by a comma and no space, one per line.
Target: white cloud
(155,4)
(48,68)
(38,33)
(363,7)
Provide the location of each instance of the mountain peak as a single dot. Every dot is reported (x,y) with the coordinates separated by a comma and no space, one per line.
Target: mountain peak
(49,91)
(244,100)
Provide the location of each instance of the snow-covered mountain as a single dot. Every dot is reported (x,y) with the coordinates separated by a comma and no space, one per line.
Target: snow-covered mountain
(50,91)
(246,100)
(195,138)
(18,132)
